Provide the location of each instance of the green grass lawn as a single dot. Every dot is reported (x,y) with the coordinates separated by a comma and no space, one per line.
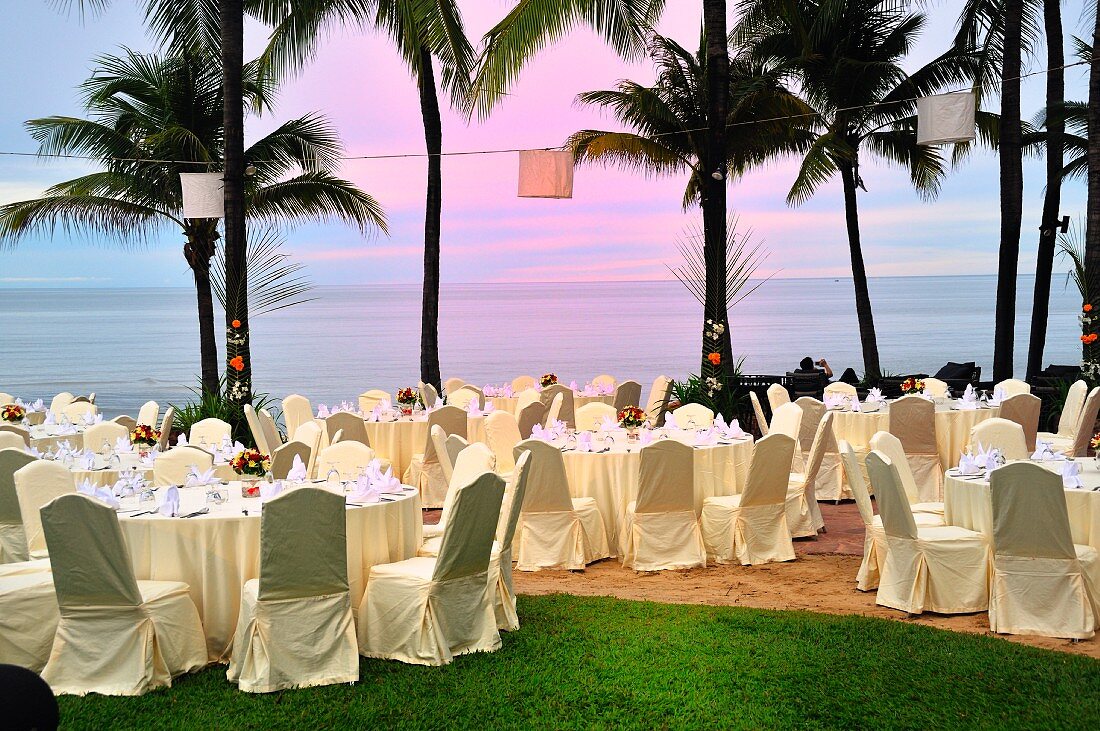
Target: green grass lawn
(596,662)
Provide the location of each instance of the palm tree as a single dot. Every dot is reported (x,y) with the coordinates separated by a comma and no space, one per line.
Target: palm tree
(423,33)
(671,137)
(846,56)
(1091,352)
(153,117)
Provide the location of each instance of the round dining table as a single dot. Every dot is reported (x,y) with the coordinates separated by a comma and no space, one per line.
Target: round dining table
(104,472)
(399,439)
(509,403)
(47,437)
(217,552)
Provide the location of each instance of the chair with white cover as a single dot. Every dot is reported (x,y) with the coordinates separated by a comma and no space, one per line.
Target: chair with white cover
(590,416)
(473,460)
(530,415)
(455,444)
(803,513)
(129,423)
(23,433)
(369,399)
(787,419)
(556,531)
(829,483)
(841,388)
(1013,387)
(935,388)
(553,410)
(296,411)
(659,395)
(424,472)
(566,413)
(28,615)
(522,383)
(79,410)
(428,395)
(59,402)
(452,384)
(149,413)
(777,396)
(104,434)
(912,419)
(36,484)
(462,397)
(530,396)
(282,459)
(1024,409)
(1043,584)
(1005,435)
(751,528)
(166,425)
(295,628)
(604,379)
(1086,427)
(446,462)
(347,458)
(628,393)
(693,416)
(309,434)
(352,425)
(210,432)
(1071,411)
(13,440)
(661,529)
(502,434)
(500,561)
(758,411)
(941,569)
(13,541)
(173,467)
(890,445)
(6,398)
(270,429)
(116,635)
(426,610)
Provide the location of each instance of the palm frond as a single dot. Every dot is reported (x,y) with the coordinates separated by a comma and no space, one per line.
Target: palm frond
(315,196)
(81,215)
(274,281)
(744,257)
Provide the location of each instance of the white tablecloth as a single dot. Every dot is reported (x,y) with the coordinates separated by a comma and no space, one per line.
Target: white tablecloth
(46,438)
(952,428)
(103,474)
(509,403)
(399,440)
(216,553)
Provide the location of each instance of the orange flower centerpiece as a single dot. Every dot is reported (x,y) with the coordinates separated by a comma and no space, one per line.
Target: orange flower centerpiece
(547,379)
(254,464)
(144,437)
(631,418)
(13,413)
(912,385)
(408,397)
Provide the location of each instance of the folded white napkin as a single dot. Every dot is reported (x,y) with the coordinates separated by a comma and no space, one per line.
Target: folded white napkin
(128,483)
(385,404)
(608,424)
(734,430)
(670,423)
(968,394)
(106,495)
(386,482)
(170,506)
(968,466)
(322,411)
(1071,474)
(472,408)
(50,419)
(963,405)
(38,405)
(87,461)
(572,385)
(363,490)
(86,487)
(64,447)
(645,436)
(90,419)
(269,490)
(33,451)
(998,396)
(181,441)
(584,441)
(297,470)
(705,438)
(489,408)
(987,458)
(537,432)
(376,413)
(854,406)
(1044,451)
(195,478)
(66,429)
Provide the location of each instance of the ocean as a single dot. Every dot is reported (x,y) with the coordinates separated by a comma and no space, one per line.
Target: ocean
(130,345)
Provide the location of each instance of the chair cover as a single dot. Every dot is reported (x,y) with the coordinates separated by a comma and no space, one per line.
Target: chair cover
(1013,387)
(657,403)
(352,425)
(1071,412)
(522,383)
(296,411)
(935,388)
(257,430)
(604,379)
(463,396)
(787,419)
(751,528)
(115,635)
(23,434)
(446,461)
(13,541)
(553,410)
(590,416)
(283,459)
(309,434)
(661,528)
(12,440)
(500,563)
(79,410)
(555,530)
(1042,583)
(758,412)
(166,425)
(874,538)
(173,466)
(270,429)
(455,445)
(939,569)
(502,433)
(295,627)
(28,617)
(565,413)
(529,416)
(803,514)
(693,416)
(470,462)
(1024,409)
(1086,427)
(839,387)
(59,402)
(912,420)
(530,396)
(36,484)
(149,413)
(129,423)
(350,459)
(628,393)
(428,395)
(1005,435)
(889,445)
(209,431)
(829,484)
(452,384)
(105,433)
(424,472)
(369,399)
(427,610)
(6,398)
(777,396)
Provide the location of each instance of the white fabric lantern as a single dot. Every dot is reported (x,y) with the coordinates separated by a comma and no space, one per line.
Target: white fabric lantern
(545,174)
(945,118)
(203,195)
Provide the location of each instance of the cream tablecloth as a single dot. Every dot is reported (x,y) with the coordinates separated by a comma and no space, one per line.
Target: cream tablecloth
(966,504)
(952,428)
(399,440)
(509,403)
(216,553)
(612,477)
(46,438)
(103,474)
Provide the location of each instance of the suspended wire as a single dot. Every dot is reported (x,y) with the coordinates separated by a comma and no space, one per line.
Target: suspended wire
(499,151)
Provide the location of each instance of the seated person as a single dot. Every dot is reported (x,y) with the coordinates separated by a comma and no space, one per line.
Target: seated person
(807,371)
(849,376)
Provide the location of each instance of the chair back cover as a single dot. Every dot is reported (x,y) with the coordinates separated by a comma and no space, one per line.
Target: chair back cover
(452,384)
(823,441)
(91,566)
(777,396)
(347,458)
(471,461)
(813,411)
(452,419)
(604,379)
(466,394)
(1024,408)
(758,411)
(502,433)
(104,431)
(282,459)
(166,425)
(6,398)
(1029,512)
(79,409)
(11,440)
(59,402)
(470,529)
(37,483)
(787,419)
(530,396)
(428,395)
(565,413)
(657,403)
(628,393)
(270,429)
(1005,435)
(128,422)
(769,471)
(1071,410)
(355,430)
(666,477)
(912,420)
(297,410)
(890,446)
(530,415)
(1086,423)
(309,434)
(303,545)
(893,507)
(935,388)
(149,413)
(446,460)
(591,415)
(547,484)
(1013,387)
(693,416)
(23,434)
(842,388)
(522,383)
(849,460)
(455,445)
(256,429)
(212,431)
(514,494)
(553,411)
(10,461)
(369,399)
(173,466)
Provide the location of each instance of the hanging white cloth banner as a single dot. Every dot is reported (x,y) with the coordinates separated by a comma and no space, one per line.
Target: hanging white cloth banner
(203,195)
(945,118)
(545,174)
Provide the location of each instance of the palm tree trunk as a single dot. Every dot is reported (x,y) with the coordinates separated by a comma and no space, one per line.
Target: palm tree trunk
(238,360)
(713,177)
(1092,208)
(433,139)
(199,251)
(867,337)
(1056,127)
(1012,192)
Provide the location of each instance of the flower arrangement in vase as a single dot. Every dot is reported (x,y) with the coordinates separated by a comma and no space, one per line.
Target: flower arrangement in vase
(144,437)
(912,385)
(13,413)
(631,418)
(407,398)
(547,379)
(254,464)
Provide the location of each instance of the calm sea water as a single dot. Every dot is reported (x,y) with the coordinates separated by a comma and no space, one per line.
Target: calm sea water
(129,345)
